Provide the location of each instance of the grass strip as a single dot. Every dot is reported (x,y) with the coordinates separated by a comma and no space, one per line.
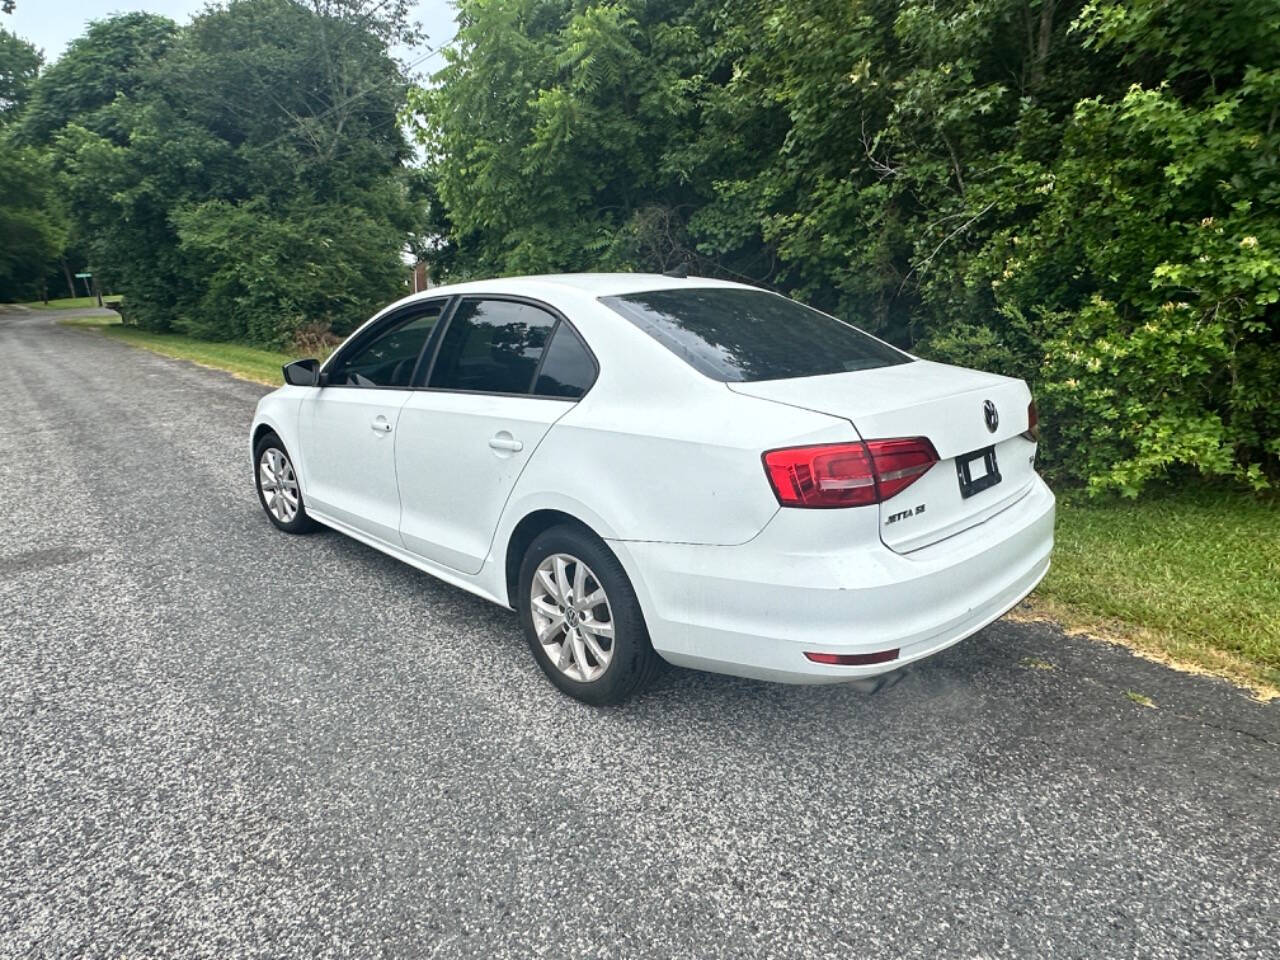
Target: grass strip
(1189,577)
(247,363)
(73,303)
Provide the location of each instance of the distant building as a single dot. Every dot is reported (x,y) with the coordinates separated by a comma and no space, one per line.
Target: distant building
(421,277)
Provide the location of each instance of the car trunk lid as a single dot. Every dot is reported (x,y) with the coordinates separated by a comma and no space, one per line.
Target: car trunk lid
(985,464)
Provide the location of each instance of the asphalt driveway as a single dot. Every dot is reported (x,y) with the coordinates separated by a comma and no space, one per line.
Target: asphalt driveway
(217,740)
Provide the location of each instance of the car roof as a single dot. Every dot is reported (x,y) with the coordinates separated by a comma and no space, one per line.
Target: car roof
(592,284)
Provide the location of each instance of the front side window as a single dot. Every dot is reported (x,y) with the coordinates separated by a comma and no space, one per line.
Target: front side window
(736,335)
(491,346)
(388,360)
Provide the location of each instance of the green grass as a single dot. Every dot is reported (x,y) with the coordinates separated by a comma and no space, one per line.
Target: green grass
(248,363)
(73,303)
(1196,572)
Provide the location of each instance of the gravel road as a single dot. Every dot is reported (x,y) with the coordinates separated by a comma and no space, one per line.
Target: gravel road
(220,741)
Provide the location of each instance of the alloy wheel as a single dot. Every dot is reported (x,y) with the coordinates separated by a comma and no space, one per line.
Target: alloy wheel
(279,484)
(572,618)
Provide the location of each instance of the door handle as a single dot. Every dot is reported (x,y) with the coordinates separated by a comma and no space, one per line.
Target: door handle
(506,443)
(380,425)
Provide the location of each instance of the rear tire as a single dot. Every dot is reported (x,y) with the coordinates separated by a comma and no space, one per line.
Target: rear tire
(581,618)
(279,490)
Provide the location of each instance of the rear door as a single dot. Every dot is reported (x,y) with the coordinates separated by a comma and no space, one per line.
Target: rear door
(347,428)
(974,420)
(504,372)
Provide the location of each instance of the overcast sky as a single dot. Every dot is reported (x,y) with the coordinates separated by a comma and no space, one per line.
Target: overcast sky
(52,24)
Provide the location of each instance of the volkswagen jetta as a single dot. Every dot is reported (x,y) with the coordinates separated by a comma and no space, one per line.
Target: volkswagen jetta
(648,468)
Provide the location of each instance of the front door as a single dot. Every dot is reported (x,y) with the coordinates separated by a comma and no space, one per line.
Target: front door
(347,428)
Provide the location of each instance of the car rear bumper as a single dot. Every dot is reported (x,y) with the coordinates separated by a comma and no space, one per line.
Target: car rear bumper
(754,610)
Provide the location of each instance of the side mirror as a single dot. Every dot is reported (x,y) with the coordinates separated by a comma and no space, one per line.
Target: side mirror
(302,373)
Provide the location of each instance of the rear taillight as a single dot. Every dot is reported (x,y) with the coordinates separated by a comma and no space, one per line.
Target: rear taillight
(900,463)
(1032,432)
(847,474)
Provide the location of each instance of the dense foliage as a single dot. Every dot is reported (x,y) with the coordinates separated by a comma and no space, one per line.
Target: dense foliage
(19,66)
(33,229)
(1083,194)
(241,177)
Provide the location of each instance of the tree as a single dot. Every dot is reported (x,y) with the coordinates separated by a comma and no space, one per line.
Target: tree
(111,60)
(33,228)
(246,176)
(19,66)
(547,130)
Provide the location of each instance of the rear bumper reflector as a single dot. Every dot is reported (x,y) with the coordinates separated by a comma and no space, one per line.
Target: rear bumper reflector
(852,659)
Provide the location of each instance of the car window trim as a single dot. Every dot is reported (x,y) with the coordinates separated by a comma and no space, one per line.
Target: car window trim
(542,358)
(447,319)
(432,346)
(377,328)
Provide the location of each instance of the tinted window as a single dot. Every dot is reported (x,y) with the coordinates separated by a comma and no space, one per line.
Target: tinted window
(492,346)
(567,370)
(389,358)
(735,335)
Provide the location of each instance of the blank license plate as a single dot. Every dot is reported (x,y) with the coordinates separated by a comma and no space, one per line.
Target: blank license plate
(977,471)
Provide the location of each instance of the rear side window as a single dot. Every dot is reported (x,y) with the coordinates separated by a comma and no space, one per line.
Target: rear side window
(740,335)
(567,370)
(492,346)
(389,358)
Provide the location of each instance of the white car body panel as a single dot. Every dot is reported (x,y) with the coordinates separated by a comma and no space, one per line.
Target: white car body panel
(443,456)
(753,610)
(349,438)
(665,465)
(668,477)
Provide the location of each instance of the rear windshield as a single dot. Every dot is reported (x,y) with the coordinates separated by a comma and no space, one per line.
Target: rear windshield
(741,335)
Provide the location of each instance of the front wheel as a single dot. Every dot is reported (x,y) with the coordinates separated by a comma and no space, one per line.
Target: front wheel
(581,618)
(278,488)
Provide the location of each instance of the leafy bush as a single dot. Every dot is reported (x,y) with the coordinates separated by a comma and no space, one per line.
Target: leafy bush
(1163,205)
(269,274)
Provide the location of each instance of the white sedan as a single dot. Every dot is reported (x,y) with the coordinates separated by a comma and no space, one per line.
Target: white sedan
(648,468)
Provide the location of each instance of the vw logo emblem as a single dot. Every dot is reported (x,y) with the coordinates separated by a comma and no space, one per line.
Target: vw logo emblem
(990,415)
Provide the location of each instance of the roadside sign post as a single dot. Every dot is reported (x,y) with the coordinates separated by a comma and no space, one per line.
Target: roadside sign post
(88,290)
